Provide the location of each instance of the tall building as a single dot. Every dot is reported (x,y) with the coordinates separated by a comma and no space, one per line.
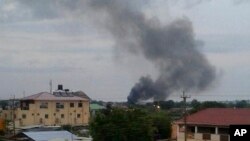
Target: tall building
(62,107)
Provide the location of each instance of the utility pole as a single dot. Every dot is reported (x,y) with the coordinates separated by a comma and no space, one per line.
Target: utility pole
(184,97)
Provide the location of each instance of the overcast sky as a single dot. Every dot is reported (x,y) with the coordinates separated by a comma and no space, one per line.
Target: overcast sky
(43,40)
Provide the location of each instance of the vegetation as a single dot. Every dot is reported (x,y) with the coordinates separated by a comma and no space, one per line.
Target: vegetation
(197,105)
(162,124)
(116,124)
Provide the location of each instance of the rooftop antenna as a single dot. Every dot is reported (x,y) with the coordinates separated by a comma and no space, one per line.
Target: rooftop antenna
(50,86)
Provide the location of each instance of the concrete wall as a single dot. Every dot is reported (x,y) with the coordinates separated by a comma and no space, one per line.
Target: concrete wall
(56,116)
(197,137)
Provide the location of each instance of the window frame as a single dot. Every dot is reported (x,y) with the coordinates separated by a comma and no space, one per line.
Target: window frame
(80,104)
(59,105)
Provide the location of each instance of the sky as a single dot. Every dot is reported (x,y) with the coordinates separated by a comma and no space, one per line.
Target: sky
(62,41)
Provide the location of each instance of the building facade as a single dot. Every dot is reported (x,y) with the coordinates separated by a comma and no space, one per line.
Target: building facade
(60,108)
(212,124)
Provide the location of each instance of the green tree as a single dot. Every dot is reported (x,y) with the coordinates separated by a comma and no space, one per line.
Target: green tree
(195,104)
(162,124)
(167,104)
(122,125)
(212,104)
(241,104)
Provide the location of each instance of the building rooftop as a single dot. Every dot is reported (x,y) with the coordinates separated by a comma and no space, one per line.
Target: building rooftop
(50,135)
(219,117)
(81,94)
(96,107)
(50,97)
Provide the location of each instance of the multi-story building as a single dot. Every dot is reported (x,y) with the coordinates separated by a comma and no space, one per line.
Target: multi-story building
(212,124)
(62,107)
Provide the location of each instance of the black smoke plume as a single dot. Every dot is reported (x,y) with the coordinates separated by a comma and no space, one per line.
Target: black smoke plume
(172,48)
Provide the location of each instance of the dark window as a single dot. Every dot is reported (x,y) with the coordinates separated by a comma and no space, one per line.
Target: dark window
(46,116)
(206,137)
(78,115)
(71,104)
(62,115)
(210,130)
(24,106)
(223,131)
(44,105)
(80,104)
(59,105)
(32,114)
(23,116)
(190,129)
(38,114)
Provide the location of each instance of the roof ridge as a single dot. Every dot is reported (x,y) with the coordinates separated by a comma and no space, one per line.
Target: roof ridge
(39,94)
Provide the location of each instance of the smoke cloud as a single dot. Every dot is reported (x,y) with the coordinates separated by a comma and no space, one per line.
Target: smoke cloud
(172,48)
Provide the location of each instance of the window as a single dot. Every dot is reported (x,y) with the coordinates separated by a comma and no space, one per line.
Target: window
(80,104)
(44,105)
(24,106)
(24,116)
(210,130)
(190,129)
(59,105)
(46,116)
(223,131)
(71,105)
(78,115)
(62,115)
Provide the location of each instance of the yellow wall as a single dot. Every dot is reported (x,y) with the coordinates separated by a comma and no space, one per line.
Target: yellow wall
(36,115)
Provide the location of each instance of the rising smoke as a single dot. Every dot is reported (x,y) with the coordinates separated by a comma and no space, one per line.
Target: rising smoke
(172,48)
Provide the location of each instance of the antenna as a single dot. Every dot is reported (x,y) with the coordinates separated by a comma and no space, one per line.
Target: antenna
(50,86)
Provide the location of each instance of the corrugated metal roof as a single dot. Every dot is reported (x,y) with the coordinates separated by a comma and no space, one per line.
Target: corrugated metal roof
(50,97)
(96,107)
(219,117)
(81,94)
(50,135)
